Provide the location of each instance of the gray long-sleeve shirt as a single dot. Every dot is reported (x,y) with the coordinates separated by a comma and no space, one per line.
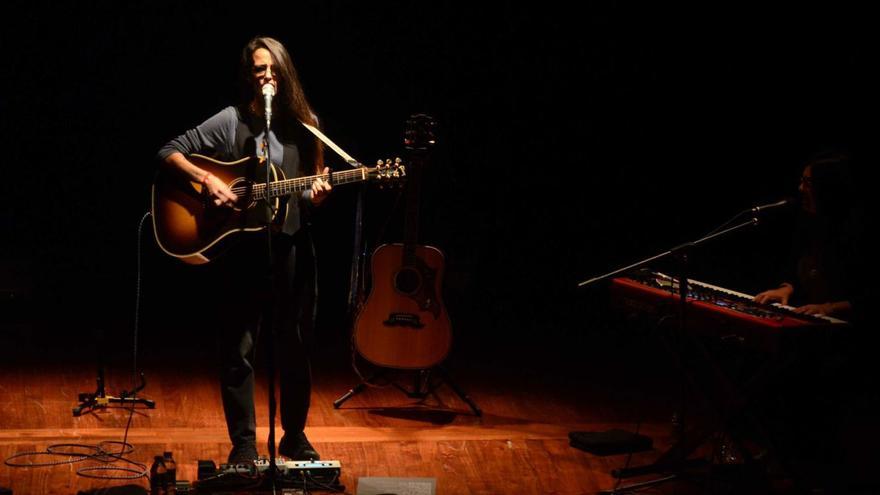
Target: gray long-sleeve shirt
(216,137)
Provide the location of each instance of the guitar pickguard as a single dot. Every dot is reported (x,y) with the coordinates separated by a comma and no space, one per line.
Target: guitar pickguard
(417,283)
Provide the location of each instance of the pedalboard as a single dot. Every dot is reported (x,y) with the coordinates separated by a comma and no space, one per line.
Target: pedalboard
(286,468)
(314,475)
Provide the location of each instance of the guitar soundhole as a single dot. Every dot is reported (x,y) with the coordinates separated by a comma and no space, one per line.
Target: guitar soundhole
(239,187)
(407,281)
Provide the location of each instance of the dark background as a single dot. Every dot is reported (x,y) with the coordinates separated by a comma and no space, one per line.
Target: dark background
(571,141)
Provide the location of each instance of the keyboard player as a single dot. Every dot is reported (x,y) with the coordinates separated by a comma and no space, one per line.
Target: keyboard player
(821,278)
(812,407)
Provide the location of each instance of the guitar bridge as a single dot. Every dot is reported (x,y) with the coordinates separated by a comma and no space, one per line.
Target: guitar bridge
(404,320)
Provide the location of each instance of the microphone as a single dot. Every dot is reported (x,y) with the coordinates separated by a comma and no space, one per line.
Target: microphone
(268,93)
(777,204)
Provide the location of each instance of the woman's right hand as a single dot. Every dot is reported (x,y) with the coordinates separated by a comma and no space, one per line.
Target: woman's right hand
(779,295)
(215,189)
(218,191)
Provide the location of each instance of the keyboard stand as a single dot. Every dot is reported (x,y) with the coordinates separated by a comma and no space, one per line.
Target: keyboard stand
(735,415)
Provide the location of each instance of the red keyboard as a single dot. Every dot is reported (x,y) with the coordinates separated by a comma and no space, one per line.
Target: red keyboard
(718,311)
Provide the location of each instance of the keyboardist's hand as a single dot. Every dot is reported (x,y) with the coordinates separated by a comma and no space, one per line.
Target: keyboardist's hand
(828,309)
(815,309)
(779,295)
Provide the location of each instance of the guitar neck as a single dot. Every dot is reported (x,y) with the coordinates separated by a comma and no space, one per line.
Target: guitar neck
(419,138)
(291,186)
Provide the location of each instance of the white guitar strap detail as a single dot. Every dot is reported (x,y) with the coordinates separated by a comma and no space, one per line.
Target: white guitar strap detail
(339,151)
(356,264)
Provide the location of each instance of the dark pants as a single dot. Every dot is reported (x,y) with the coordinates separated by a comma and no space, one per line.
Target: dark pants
(244,279)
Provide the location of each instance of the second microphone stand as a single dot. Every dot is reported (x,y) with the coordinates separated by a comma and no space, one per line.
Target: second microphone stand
(674,461)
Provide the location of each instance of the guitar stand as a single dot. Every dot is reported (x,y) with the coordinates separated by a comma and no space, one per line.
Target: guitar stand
(99,399)
(423,386)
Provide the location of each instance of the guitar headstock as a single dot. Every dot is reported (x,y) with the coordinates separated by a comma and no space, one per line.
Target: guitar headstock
(419,135)
(390,172)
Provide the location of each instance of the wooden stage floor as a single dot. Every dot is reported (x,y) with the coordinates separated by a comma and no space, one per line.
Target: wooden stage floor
(531,397)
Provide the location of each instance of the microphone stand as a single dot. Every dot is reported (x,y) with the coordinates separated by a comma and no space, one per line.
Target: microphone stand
(674,460)
(717,232)
(678,249)
(269,316)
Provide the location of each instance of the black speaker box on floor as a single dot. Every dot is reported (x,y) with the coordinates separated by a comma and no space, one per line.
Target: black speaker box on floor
(609,442)
(117,490)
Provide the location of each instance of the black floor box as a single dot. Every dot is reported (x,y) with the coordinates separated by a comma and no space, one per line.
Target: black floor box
(609,442)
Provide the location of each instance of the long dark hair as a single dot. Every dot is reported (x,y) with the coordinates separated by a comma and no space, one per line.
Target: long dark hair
(292,102)
(834,189)
(832,234)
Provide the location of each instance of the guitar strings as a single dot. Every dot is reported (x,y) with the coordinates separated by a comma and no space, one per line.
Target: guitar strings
(298,183)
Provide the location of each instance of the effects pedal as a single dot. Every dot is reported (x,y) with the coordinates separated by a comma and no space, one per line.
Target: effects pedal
(289,473)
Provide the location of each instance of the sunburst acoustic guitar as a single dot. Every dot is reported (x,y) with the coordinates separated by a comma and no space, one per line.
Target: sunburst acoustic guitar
(192,229)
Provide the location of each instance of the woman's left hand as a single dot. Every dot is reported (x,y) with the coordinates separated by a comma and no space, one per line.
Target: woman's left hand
(320,188)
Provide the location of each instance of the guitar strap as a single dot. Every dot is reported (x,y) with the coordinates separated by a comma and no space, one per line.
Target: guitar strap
(355,290)
(339,151)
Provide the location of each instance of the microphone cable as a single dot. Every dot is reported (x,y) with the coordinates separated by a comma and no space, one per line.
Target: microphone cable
(103,452)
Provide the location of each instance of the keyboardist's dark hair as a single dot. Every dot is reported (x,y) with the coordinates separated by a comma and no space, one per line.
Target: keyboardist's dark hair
(834,190)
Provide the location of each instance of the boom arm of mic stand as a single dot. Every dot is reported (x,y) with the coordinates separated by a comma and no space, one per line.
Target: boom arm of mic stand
(753,221)
(624,269)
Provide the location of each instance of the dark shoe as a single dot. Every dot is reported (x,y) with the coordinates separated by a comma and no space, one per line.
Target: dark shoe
(296,446)
(242,454)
